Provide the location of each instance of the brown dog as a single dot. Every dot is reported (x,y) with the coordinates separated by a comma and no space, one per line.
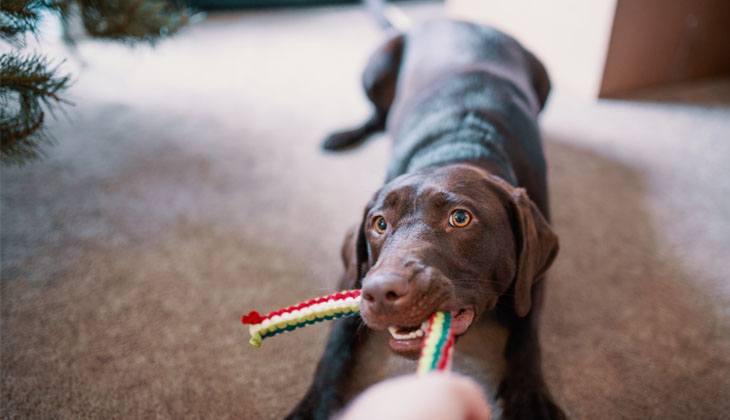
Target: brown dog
(461,222)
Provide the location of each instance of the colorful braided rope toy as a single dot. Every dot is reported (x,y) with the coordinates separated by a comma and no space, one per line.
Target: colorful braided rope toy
(435,353)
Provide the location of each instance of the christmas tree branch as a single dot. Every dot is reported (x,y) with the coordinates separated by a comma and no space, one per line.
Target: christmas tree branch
(131,21)
(28,84)
(20,16)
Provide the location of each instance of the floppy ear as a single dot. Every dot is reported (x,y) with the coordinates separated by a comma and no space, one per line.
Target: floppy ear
(354,255)
(537,247)
(348,253)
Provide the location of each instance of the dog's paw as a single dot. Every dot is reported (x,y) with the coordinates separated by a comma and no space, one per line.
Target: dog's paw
(315,406)
(529,404)
(302,411)
(297,415)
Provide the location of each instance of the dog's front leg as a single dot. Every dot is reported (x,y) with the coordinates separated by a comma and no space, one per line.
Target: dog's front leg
(325,394)
(523,390)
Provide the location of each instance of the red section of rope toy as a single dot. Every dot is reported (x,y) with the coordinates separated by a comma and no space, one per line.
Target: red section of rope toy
(252,318)
(446,358)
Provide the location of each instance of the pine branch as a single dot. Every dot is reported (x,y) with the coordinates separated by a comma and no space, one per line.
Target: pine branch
(131,21)
(21,16)
(28,85)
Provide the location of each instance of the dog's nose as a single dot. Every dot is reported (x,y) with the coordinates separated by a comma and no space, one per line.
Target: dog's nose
(385,291)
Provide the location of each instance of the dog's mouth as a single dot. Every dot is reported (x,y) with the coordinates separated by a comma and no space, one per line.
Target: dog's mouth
(408,340)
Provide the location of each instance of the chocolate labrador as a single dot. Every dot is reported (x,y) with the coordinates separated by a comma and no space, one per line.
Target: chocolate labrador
(461,223)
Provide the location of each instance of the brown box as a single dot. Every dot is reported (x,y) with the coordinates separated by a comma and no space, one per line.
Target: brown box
(655,42)
(612,48)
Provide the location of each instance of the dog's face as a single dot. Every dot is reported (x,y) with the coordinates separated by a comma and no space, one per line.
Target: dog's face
(453,238)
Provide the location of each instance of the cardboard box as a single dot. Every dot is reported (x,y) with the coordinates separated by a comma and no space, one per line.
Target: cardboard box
(611,48)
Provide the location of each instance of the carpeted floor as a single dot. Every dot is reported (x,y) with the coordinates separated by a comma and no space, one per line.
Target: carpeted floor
(187,187)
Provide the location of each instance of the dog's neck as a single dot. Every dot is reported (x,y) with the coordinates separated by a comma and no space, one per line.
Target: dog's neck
(467,139)
(478,354)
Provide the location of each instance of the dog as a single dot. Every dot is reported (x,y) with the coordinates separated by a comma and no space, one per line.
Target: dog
(461,223)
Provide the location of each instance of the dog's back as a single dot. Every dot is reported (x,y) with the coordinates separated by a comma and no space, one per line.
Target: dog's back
(440,48)
(467,92)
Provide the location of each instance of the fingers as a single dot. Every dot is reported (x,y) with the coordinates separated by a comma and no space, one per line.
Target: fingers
(432,397)
(471,397)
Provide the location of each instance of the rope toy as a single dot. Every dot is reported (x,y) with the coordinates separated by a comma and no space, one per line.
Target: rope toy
(324,308)
(436,350)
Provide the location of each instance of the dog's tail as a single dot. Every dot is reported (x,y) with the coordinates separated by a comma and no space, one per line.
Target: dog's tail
(540,80)
(388,16)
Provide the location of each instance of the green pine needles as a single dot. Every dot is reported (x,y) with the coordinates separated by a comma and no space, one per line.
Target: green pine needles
(28,85)
(18,17)
(131,21)
(31,85)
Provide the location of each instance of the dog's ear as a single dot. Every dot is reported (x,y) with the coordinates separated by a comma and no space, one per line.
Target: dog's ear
(348,253)
(355,255)
(537,246)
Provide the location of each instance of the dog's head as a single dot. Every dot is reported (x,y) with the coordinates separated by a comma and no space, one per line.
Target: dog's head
(453,238)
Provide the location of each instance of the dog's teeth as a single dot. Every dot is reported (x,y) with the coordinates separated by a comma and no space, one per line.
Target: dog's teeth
(408,336)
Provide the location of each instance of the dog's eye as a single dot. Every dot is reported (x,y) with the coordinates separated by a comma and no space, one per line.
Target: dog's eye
(459,218)
(379,224)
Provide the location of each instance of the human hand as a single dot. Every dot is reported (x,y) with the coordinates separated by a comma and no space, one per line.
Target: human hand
(436,396)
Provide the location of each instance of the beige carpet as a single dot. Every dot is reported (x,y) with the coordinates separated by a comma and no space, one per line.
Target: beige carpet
(187,187)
